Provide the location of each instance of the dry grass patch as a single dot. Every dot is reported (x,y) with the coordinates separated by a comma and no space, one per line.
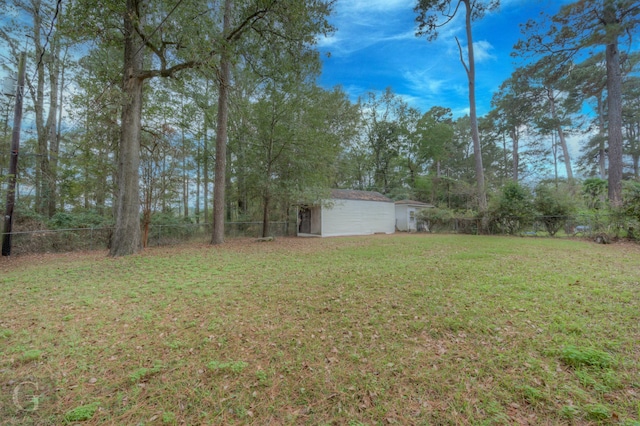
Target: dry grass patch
(405,329)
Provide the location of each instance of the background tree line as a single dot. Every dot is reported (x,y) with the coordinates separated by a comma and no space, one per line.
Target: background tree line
(144,110)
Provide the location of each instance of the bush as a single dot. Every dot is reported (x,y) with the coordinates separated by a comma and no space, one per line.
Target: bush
(436,218)
(594,192)
(87,219)
(512,210)
(554,205)
(631,200)
(27,220)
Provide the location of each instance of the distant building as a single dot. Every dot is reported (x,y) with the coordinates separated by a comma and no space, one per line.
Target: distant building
(348,212)
(407,215)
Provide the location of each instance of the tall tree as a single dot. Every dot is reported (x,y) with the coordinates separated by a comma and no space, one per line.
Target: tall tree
(224,80)
(252,31)
(547,77)
(582,26)
(435,130)
(94,140)
(39,21)
(386,118)
(429,14)
(161,39)
(513,106)
(631,116)
(589,80)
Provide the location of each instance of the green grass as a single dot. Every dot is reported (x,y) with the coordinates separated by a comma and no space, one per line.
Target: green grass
(411,329)
(82,413)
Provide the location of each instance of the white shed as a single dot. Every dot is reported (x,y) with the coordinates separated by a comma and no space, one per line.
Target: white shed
(348,212)
(406,214)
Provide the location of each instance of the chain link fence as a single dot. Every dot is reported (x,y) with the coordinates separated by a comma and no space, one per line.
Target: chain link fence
(81,239)
(588,226)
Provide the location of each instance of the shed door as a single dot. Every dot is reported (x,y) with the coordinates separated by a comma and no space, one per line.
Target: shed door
(305,221)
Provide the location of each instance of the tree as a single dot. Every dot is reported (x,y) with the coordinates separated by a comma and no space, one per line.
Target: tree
(580,26)
(544,86)
(631,116)
(589,80)
(46,91)
(92,144)
(195,36)
(429,12)
(513,107)
(290,28)
(290,143)
(435,139)
(385,117)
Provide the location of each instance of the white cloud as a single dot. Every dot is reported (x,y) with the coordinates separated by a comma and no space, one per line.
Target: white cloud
(363,23)
(424,82)
(407,35)
(328,41)
(460,112)
(481,50)
(368,6)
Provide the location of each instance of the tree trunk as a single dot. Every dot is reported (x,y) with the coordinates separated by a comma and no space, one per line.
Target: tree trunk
(561,138)
(635,155)
(614,101)
(42,169)
(52,128)
(475,136)
(265,214)
(516,157)
(185,175)
(205,171)
(126,236)
(5,143)
(198,183)
(554,150)
(101,182)
(601,130)
(565,153)
(224,76)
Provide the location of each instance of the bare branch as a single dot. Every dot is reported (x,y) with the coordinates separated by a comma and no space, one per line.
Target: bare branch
(464,64)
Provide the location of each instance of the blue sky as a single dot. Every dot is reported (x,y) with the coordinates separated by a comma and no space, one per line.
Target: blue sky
(374,47)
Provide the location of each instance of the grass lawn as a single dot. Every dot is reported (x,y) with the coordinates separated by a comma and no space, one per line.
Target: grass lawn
(404,329)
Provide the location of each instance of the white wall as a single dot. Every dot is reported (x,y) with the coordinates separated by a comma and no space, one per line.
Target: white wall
(401,217)
(357,217)
(316,220)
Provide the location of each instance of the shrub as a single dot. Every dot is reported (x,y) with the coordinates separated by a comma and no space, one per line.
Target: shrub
(554,206)
(512,210)
(631,199)
(594,192)
(436,218)
(85,219)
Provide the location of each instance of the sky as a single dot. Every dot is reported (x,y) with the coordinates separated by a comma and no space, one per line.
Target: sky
(375,47)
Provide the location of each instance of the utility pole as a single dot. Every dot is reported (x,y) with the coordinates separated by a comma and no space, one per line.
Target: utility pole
(13,162)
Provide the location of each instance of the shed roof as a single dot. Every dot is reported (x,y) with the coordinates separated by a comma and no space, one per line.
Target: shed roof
(414,203)
(352,194)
